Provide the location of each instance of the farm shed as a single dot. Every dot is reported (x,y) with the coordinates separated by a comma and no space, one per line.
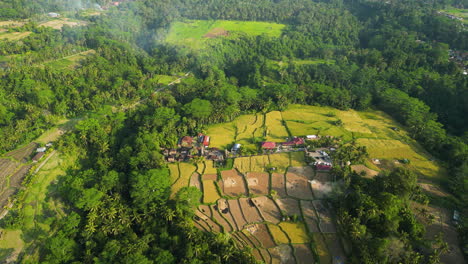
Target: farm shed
(268,145)
(38,156)
(43,149)
(53,14)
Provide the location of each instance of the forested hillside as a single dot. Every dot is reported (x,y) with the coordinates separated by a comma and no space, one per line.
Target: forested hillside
(387,55)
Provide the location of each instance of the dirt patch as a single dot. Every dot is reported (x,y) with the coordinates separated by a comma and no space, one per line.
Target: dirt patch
(278,184)
(23,154)
(433,189)
(303,254)
(442,224)
(307,172)
(298,186)
(212,177)
(236,212)
(233,183)
(268,209)
(282,254)
(249,210)
(223,208)
(361,168)
(258,183)
(326,224)
(260,231)
(217,32)
(288,206)
(310,216)
(195,181)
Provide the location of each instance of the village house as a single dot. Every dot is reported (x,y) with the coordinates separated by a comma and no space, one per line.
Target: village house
(296,141)
(186,142)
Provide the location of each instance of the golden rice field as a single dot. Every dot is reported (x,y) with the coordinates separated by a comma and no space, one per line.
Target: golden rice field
(210,194)
(296,232)
(174,172)
(186,170)
(280,161)
(276,131)
(297,159)
(209,167)
(278,235)
(221,135)
(248,126)
(251,164)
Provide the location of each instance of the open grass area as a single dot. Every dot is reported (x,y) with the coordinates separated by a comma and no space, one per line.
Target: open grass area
(11,245)
(69,62)
(14,35)
(210,194)
(58,23)
(195,33)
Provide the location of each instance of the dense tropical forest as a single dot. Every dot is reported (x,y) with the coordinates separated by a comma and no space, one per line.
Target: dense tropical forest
(387,55)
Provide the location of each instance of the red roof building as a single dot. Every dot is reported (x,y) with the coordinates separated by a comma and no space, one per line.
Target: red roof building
(295,142)
(323,167)
(206,141)
(268,145)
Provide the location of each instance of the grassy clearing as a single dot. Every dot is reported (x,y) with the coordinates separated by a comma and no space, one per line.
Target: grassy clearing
(210,194)
(278,235)
(186,170)
(60,22)
(276,131)
(397,150)
(10,244)
(14,35)
(164,79)
(296,232)
(69,62)
(195,33)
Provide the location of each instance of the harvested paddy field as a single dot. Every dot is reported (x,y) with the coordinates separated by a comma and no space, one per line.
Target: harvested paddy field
(282,254)
(261,232)
(258,183)
(278,184)
(236,213)
(326,224)
(220,218)
(297,186)
(268,209)
(249,210)
(22,154)
(334,246)
(223,207)
(288,206)
(196,182)
(310,217)
(303,254)
(233,183)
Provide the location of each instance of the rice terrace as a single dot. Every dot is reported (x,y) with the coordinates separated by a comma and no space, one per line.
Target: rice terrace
(272,197)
